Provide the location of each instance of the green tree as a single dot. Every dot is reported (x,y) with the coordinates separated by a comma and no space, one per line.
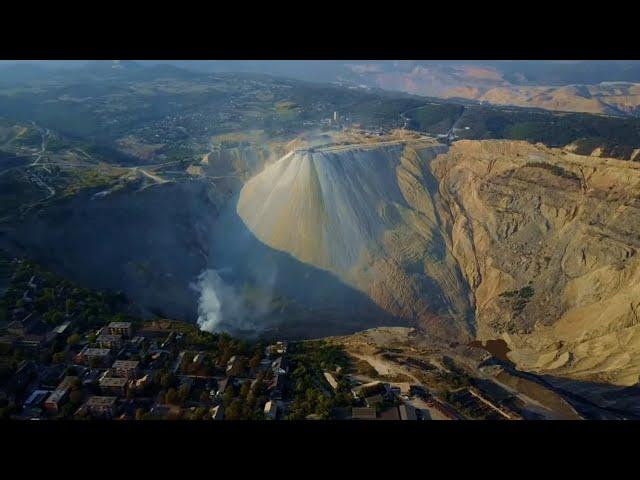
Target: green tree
(70,305)
(244,390)
(234,410)
(183,392)
(67,410)
(227,398)
(58,357)
(254,363)
(171,396)
(199,413)
(167,380)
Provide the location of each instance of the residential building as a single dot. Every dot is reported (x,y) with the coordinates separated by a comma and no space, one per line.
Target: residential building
(390,413)
(113,385)
(55,400)
(120,328)
(107,340)
(363,413)
(368,389)
(89,355)
(125,368)
(36,399)
(407,412)
(99,406)
(60,394)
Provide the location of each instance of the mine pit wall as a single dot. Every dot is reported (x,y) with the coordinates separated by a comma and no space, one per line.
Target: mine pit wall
(547,242)
(447,312)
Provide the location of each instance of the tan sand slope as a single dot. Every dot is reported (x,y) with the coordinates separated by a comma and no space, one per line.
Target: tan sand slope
(364,212)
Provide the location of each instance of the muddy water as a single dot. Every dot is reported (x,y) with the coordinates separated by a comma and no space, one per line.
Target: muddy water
(498,348)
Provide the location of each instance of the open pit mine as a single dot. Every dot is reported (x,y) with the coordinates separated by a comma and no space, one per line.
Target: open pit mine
(473,241)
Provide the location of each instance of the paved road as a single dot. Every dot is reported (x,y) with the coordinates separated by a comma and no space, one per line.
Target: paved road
(43,145)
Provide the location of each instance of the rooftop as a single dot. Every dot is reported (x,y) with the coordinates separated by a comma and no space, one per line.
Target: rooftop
(107,337)
(126,364)
(120,325)
(36,397)
(62,327)
(57,395)
(363,413)
(66,382)
(99,401)
(113,382)
(97,352)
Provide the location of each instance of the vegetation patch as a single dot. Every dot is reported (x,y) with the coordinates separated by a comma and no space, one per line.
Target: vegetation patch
(519,298)
(555,170)
(312,395)
(435,118)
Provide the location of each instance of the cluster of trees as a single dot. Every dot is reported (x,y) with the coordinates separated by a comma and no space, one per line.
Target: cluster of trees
(555,169)
(176,396)
(56,298)
(248,402)
(618,136)
(311,394)
(434,117)
(519,298)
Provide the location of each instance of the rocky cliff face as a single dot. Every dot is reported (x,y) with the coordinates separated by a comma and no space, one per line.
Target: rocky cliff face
(547,242)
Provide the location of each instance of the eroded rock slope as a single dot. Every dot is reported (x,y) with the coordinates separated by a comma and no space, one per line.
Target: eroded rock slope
(548,243)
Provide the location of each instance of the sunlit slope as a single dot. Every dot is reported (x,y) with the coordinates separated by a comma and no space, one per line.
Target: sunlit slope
(364,212)
(548,242)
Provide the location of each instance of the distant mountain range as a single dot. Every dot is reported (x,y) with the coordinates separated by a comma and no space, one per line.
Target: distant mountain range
(604,87)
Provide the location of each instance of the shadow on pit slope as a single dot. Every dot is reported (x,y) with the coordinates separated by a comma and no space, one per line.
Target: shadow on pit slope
(153,243)
(317,302)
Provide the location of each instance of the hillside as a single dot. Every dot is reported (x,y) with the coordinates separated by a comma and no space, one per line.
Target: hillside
(604,98)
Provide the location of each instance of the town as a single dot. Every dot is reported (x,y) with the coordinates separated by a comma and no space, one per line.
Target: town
(72,353)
